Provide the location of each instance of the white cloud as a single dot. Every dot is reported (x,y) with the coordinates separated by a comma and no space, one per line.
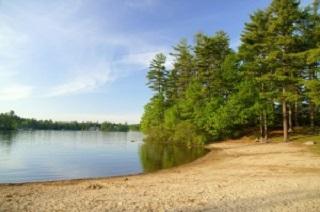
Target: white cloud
(144,59)
(15,92)
(139,59)
(35,37)
(83,80)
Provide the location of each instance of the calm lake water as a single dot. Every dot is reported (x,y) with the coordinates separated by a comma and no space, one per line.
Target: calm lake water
(27,156)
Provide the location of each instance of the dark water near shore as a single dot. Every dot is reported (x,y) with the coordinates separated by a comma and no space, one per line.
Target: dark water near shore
(27,156)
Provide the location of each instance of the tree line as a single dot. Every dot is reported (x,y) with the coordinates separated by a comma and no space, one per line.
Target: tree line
(214,92)
(10,121)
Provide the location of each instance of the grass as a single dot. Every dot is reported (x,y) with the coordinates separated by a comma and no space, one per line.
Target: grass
(300,136)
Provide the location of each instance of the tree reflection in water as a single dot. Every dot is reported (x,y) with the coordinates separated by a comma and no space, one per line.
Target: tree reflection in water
(7,138)
(155,156)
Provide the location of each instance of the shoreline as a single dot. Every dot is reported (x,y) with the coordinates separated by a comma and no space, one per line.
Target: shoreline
(235,175)
(70,181)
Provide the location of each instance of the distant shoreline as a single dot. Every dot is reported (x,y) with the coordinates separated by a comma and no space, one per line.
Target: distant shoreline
(11,121)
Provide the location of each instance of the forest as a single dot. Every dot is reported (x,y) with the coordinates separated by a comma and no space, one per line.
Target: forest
(213,92)
(10,121)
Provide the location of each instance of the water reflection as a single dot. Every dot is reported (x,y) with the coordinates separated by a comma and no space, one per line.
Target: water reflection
(7,139)
(156,156)
(27,156)
(7,136)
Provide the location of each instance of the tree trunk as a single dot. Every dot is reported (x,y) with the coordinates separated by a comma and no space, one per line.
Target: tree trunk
(261,127)
(284,117)
(311,104)
(265,123)
(312,114)
(290,118)
(296,114)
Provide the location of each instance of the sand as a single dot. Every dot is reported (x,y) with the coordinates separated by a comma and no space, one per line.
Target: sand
(234,176)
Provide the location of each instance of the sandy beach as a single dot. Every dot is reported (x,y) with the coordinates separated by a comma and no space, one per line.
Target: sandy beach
(234,176)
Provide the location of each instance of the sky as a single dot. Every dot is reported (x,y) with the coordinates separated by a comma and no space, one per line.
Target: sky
(87,60)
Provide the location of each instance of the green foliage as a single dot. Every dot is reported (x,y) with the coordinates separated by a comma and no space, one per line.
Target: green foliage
(191,103)
(108,126)
(134,127)
(186,133)
(158,134)
(214,93)
(171,117)
(183,67)
(313,88)
(210,53)
(239,108)
(157,74)
(153,114)
(8,121)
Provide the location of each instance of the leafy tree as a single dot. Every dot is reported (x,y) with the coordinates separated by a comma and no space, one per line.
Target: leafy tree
(153,114)
(8,121)
(237,113)
(108,126)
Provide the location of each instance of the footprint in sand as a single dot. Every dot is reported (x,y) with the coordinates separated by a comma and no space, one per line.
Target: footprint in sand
(95,187)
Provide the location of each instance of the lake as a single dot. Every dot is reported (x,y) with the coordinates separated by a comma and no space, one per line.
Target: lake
(27,156)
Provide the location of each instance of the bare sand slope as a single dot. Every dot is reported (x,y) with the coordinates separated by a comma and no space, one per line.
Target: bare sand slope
(239,176)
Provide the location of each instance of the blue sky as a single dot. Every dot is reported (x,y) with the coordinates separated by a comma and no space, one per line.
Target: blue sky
(87,60)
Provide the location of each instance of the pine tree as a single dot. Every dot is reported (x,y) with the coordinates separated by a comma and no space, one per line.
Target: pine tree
(183,69)
(213,92)
(310,28)
(210,52)
(157,74)
(282,34)
(157,80)
(253,52)
(171,88)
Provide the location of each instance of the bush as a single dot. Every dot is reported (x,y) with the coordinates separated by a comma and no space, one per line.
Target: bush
(158,134)
(186,133)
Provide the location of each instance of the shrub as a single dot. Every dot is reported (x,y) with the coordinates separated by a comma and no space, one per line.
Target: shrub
(186,133)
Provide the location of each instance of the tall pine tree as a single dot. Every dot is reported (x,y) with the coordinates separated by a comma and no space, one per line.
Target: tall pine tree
(157,74)
(284,16)
(253,52)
